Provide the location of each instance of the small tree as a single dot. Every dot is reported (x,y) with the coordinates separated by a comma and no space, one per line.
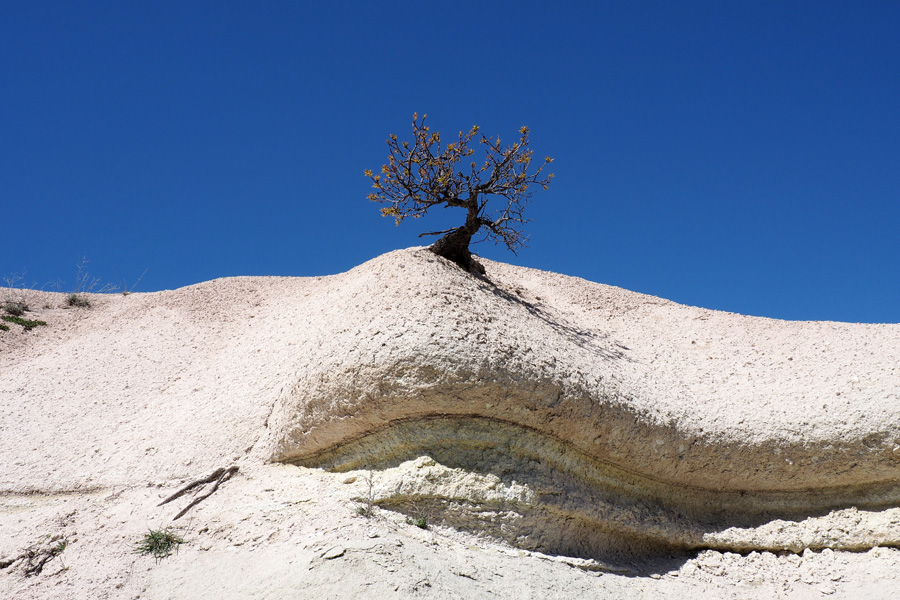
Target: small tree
(423,174)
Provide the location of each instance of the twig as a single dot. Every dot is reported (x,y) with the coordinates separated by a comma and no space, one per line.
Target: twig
(219,476)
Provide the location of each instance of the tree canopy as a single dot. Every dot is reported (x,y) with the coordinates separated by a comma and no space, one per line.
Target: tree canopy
(424,173)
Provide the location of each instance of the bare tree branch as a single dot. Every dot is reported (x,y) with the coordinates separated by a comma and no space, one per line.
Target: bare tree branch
(424,173)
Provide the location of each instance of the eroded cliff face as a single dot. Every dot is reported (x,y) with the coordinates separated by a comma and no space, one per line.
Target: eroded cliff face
(541,411)
(629,420)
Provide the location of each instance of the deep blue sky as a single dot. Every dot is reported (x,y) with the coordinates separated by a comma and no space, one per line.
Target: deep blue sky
(742,156)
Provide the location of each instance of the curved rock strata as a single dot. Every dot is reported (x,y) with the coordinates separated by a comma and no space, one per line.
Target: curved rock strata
(503,480)
(634,421)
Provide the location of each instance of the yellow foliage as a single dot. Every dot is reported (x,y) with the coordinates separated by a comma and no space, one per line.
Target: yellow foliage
(420,175)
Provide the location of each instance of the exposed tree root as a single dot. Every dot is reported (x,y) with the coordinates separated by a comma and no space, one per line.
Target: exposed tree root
(218,476)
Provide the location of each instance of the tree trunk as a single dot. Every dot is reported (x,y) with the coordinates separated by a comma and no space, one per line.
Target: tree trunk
(455,246)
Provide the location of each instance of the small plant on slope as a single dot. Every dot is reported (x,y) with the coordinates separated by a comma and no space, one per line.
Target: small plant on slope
(78,301)
(14,308)
(26,323)
(15,301)
(367,508)
(159,543)
(420,519)
(85,283)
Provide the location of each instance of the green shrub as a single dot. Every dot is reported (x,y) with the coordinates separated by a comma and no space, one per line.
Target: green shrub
(78,301)
(59,547)
(16,309)
(159,543)
(26,323)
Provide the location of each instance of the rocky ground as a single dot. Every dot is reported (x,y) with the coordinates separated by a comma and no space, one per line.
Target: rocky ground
(688,452)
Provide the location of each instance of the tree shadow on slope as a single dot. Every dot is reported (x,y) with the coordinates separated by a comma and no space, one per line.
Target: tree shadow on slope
(593,341)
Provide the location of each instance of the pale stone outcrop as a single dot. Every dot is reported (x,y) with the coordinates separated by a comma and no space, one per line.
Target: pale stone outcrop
(625,414)
(541,411)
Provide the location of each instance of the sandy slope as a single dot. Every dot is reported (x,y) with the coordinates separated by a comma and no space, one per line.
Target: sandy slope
(106,411)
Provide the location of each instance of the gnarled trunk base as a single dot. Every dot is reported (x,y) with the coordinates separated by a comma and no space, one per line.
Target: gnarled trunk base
(455,247)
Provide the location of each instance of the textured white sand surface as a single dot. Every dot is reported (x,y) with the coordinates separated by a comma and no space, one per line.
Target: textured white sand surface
(561,438)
